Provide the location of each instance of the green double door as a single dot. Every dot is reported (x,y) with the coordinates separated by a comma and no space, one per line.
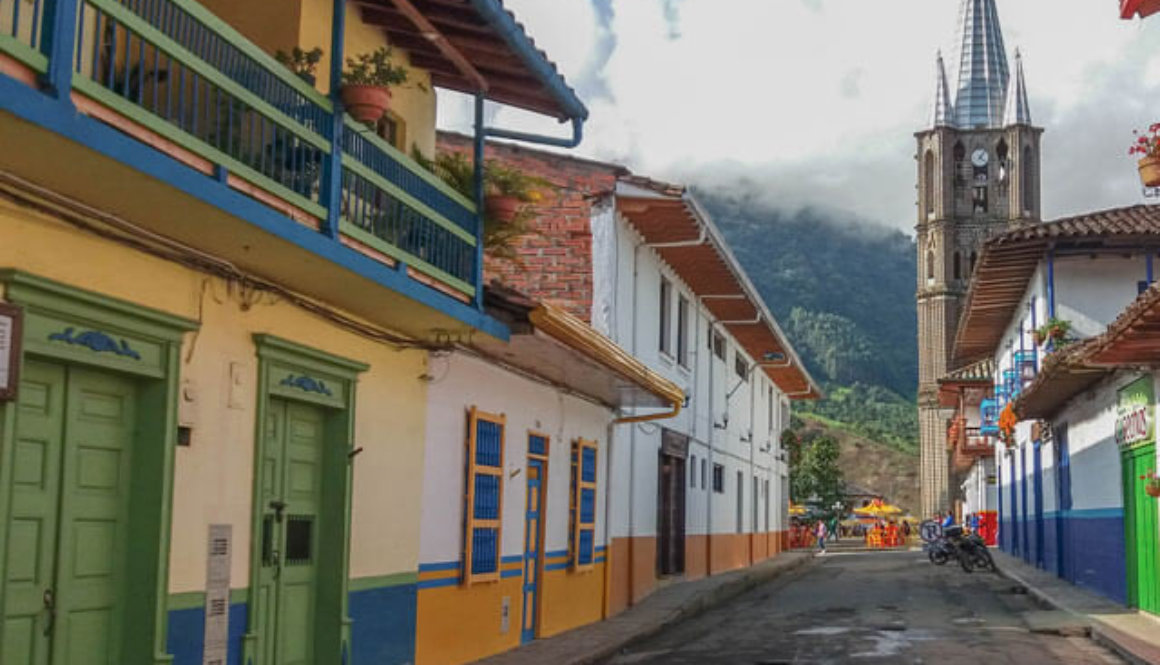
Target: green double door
(1142,530)
(290,497)
(68,522)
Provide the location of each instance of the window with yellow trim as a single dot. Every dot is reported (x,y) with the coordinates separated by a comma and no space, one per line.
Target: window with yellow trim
(582,546)
(483,505)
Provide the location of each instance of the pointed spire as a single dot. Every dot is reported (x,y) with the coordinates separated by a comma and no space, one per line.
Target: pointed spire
(944,110)
(983,73)
(1018,111)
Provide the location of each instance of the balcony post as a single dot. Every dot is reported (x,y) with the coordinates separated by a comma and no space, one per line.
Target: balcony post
(331,194)
(477,160)
(58,36)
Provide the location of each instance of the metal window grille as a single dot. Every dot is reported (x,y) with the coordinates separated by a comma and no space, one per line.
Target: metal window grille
(583,509)
(718,479)
(483,505)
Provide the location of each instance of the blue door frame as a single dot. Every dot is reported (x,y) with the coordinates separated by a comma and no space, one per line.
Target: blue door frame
(1063,483)
(533,550)
(1014,539)
(1040,558)
(1023,512)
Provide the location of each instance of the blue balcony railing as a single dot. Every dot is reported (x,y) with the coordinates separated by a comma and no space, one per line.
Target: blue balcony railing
(174,69)
(989,417)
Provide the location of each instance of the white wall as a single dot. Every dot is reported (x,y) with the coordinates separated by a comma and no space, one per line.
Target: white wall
(733,431)
(462,381)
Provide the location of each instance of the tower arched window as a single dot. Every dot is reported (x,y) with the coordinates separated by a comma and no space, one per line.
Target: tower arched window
(1027,180)
(930,265)
(1001,150)
(958,265)
(974,258)
(928,182)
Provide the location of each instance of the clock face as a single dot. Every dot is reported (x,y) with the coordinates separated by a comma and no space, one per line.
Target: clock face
(979,158)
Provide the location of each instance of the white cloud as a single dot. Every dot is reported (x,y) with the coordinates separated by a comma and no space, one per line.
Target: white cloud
(816,101)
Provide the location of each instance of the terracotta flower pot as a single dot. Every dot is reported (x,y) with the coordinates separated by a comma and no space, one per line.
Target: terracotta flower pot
(1153,489)
(502,208)
(1150,171)
(366,103)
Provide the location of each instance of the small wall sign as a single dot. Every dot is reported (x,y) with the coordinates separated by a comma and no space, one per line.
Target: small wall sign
(1136,414)
(11,319)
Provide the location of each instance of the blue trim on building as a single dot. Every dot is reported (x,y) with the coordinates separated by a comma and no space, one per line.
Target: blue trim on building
(556,566)
(1093,551)
(39,109)
(514,558)
(186,635)
(504,574)
(382,631)
(435,584)
(438,566)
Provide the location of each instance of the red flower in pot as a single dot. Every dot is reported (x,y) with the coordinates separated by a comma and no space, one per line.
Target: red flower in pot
(1147,146)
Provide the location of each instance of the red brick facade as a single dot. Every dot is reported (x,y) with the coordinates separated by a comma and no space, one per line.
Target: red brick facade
(557,258)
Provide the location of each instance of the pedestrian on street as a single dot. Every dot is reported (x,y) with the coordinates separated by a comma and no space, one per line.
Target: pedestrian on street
(821,534)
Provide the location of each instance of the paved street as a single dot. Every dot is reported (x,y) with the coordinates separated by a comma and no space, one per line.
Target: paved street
(863,607)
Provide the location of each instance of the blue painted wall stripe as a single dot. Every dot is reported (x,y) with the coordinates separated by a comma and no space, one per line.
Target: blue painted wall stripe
(440,565)
(435,584)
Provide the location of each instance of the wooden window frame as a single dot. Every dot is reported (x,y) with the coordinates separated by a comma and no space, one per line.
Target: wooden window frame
(579,485)
(470,522)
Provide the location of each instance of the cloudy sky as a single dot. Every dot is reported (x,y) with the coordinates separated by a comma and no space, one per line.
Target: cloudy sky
(815,102)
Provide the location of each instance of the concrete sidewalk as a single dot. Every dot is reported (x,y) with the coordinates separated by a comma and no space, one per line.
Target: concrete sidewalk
(668,605)
(1134,635)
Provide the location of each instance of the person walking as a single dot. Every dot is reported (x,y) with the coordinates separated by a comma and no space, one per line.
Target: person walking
(821,534)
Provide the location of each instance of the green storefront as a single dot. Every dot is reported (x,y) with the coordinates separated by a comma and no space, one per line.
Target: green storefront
(1136,436)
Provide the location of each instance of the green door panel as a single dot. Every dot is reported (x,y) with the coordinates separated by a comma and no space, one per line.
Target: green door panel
(1143,531)
(95,479)
(292,481)
(32,527)
(69,517)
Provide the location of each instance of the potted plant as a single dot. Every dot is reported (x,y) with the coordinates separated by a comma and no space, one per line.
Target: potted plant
(302,63)
(1148,147)
(366,84)
(1152,484)
(1054,330)
(507,189)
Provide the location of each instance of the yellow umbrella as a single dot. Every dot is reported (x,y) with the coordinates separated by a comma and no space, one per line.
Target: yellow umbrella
(887,509)
(795,509)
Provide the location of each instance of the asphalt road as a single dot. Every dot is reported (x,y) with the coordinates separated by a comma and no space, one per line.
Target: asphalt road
(869,608)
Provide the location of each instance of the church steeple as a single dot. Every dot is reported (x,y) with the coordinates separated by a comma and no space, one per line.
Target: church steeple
(1018,111)
(983,73)
(944,110)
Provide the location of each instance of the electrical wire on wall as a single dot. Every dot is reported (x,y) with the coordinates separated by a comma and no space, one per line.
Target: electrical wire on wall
(247,289)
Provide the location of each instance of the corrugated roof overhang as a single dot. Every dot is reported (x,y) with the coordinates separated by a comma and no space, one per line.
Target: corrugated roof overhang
(1133,339)
(1009,260)
(670,221)
(1065,374)
(456,39)
(555,346)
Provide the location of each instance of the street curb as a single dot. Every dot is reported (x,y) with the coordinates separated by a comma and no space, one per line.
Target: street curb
(1097,631)
(698,605)
(644,621)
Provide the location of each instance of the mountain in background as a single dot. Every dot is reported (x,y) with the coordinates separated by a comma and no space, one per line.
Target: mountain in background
(843,291)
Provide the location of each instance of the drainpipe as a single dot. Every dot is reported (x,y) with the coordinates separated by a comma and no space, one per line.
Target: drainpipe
(608,521)
(477,163)
(632,433)
(1051,283)
(331,193)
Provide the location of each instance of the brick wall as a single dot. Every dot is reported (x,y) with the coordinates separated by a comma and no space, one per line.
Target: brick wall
(555,263)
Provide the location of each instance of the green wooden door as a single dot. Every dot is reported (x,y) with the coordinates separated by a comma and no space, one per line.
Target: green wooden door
(1142,531)
(291,489)
(68,523)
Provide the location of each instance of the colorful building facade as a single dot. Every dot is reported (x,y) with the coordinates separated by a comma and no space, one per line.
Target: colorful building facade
(225,294)
(1071,485)
(704,491)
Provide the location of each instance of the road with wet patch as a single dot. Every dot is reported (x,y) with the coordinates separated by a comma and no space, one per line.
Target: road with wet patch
(870,608)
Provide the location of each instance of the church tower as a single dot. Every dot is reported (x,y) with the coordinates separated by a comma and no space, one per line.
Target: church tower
(978,174)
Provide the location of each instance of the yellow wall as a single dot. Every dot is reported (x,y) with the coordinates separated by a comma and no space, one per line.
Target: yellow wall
(458,624)
(571,599)
(213,476)
(284,24)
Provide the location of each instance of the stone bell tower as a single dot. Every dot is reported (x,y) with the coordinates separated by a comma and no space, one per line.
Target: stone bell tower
(978,175)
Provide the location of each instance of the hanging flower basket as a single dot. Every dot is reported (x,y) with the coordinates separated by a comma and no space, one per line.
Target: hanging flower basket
(1152,486)
(1150,171)
(1007,422)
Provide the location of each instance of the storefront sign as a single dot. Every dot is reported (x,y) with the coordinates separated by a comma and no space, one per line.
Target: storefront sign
(1136,414)
(11,317)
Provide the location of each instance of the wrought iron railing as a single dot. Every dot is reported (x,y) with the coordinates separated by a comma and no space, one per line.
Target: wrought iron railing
(175,69)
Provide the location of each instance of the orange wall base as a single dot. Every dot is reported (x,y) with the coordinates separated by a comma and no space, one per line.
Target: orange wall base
(696,557)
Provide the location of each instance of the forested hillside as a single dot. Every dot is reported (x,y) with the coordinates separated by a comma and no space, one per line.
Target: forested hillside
(843,291)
